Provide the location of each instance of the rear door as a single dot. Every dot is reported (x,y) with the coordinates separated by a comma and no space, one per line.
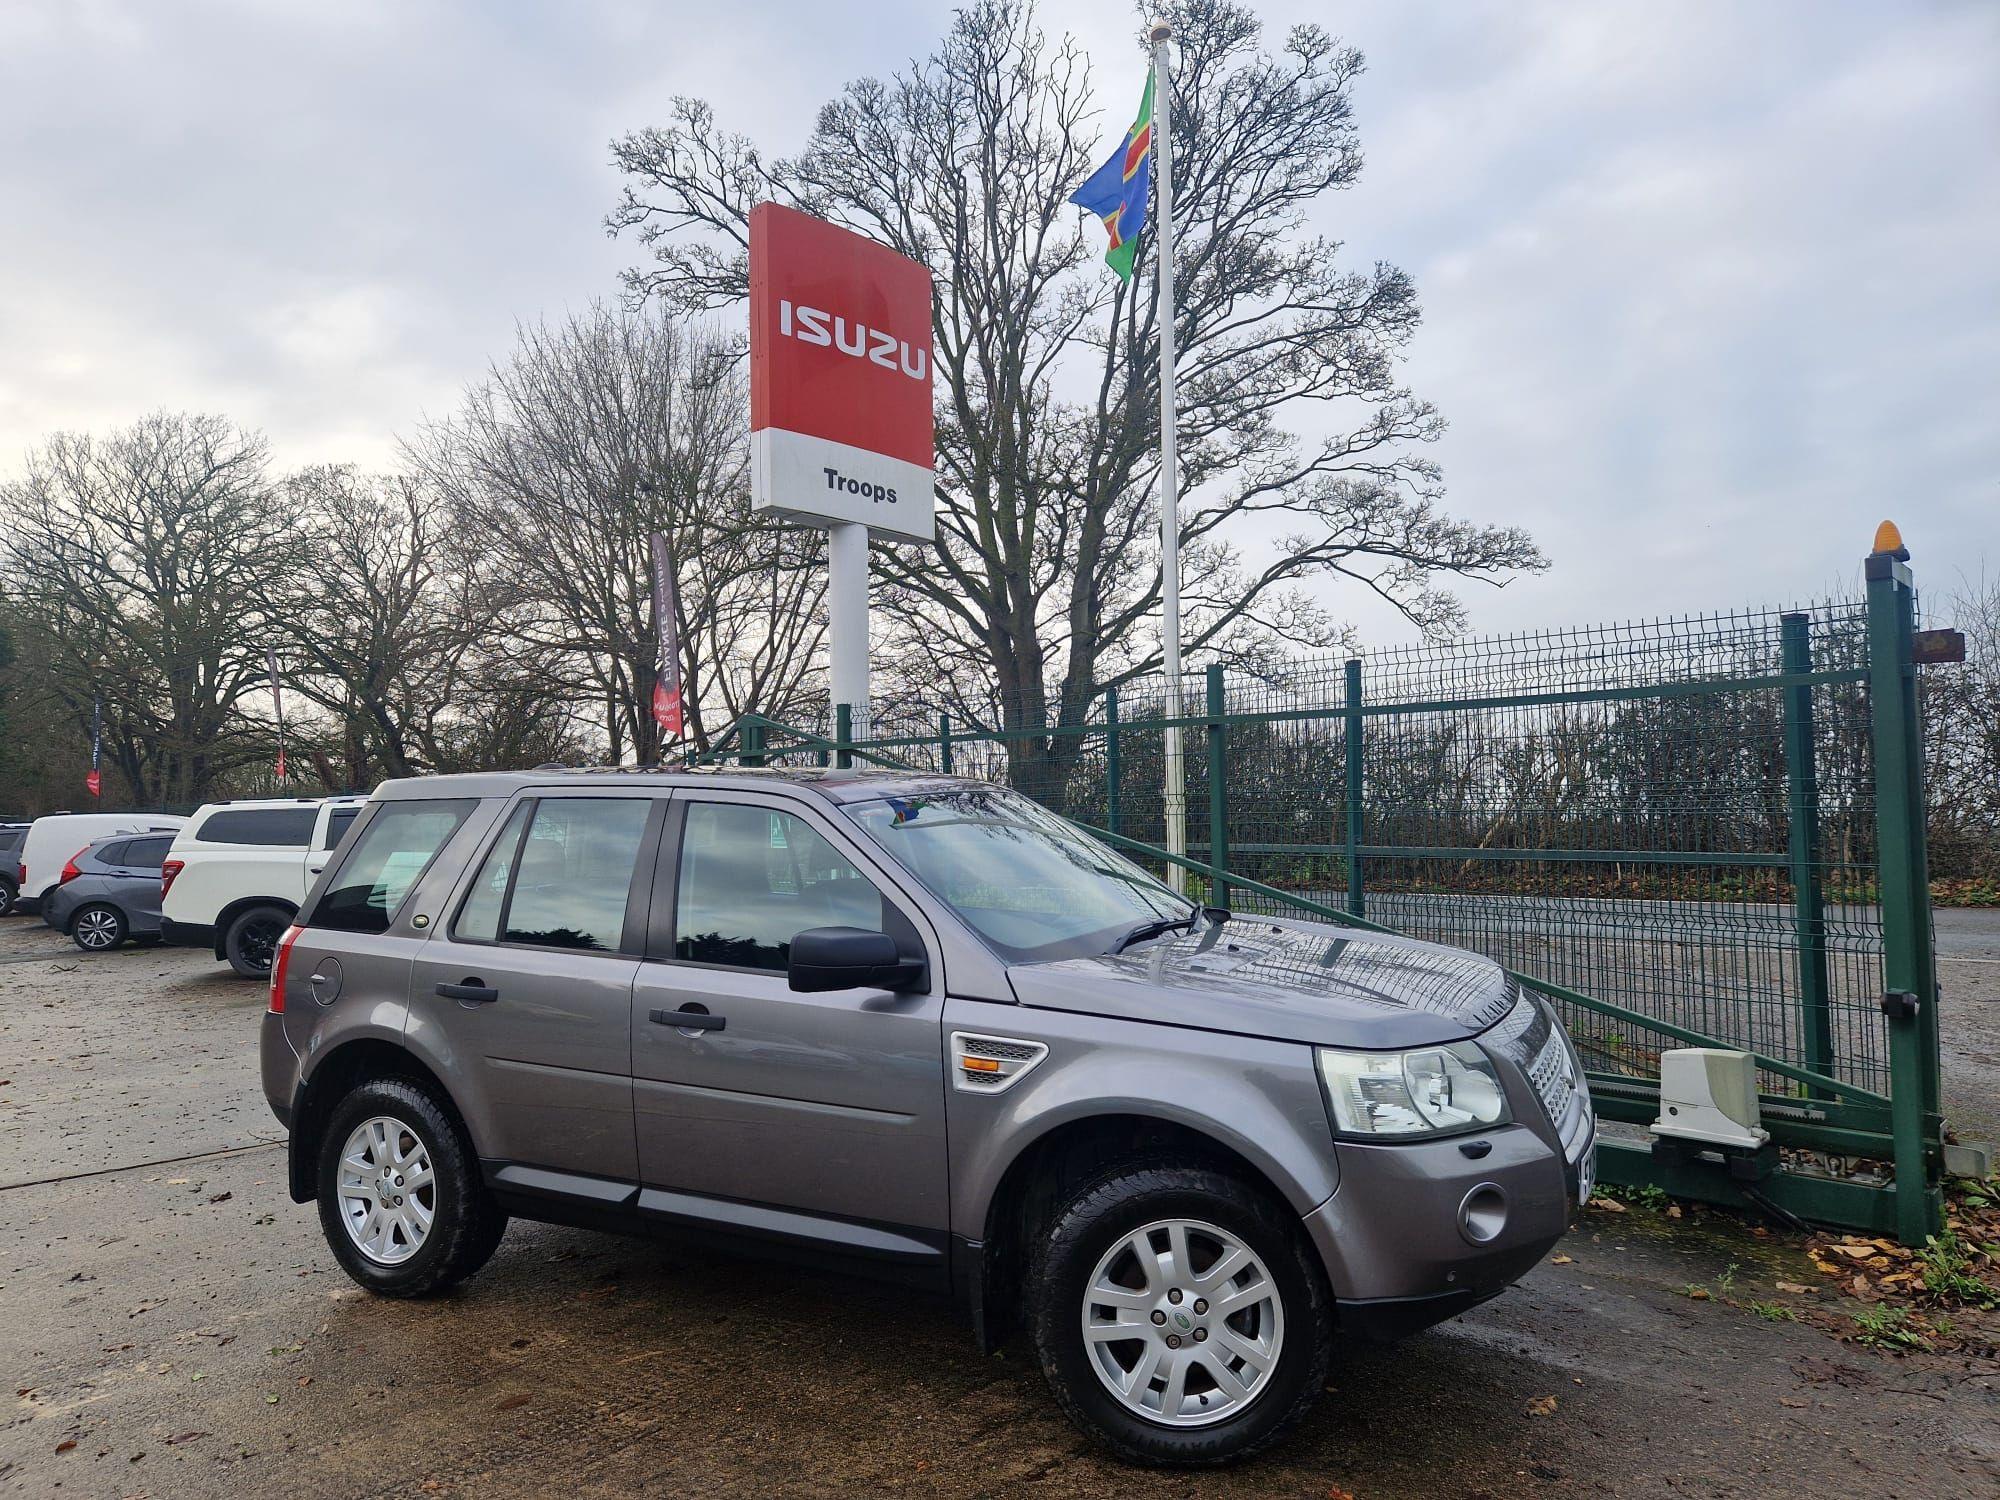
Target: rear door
(529,983)
(138,871)
(832,1104)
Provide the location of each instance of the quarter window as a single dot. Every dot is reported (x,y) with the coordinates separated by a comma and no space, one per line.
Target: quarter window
(752,878)
(559,875)
(396,848)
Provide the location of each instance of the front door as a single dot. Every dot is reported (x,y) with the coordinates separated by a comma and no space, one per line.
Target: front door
(530,983)
(823,1104)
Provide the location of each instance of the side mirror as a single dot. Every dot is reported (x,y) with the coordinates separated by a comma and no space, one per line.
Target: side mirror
(849,958)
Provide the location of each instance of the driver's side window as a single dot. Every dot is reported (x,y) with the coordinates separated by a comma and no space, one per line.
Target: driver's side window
(752,878)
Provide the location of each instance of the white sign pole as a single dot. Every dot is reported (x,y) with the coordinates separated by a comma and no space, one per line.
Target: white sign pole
(847,617)
(1170,468)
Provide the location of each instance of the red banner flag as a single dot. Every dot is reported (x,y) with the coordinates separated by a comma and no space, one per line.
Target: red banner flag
(667,702)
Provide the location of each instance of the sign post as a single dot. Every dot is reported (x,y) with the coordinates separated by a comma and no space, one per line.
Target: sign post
(840,406)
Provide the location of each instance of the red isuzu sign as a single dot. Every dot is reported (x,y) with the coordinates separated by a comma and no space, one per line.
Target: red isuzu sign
(840,376)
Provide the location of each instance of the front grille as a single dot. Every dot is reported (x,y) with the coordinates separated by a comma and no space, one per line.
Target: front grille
(1532,1039)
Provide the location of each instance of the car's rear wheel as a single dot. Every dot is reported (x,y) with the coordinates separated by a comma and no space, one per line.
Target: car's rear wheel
(8,894)
(400,1197)
(1179,1315)
(252,940)
(97,928)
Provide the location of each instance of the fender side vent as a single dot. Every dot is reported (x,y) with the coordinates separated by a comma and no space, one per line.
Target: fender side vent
(991,1064)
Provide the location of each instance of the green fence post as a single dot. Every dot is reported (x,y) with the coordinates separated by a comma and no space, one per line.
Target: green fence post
(944,742)
(1356,901)
(1111,759)
(843,735)
(753,744)
(1218,786)
(1908,968)
(1808,899)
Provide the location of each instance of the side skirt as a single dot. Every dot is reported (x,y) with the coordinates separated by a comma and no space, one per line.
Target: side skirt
(918,1258)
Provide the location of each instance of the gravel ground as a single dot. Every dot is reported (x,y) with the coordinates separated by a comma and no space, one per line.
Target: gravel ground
(174,1326)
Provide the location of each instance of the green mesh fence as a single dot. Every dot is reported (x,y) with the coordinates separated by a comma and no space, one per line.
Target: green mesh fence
(1625,811)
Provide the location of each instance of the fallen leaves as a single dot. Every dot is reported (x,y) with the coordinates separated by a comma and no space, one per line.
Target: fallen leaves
(508,1403)
(1542,1406)
(1607,1205)
(1562,1260)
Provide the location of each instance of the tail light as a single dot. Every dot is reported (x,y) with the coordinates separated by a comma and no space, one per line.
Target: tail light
(70,871)
(168,871)
(280,962)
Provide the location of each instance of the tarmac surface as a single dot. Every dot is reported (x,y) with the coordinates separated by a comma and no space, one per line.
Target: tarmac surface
(173,1326)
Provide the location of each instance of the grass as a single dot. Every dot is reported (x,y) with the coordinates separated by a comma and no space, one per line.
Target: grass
(1949,1272)
(1887,1328)
(1774,1312)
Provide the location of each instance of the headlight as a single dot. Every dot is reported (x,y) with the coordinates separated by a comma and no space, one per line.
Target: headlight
(1452,1087)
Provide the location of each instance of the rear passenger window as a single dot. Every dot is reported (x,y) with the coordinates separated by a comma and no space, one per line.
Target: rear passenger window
(144,854)
(396,848)
(559,876)
(337,824)
(479,918)
(259,825)
(752,878)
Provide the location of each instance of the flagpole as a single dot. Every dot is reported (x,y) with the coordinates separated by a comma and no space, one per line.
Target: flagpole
(1161,36)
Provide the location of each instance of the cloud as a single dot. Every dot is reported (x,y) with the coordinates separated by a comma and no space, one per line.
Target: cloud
(1709,288)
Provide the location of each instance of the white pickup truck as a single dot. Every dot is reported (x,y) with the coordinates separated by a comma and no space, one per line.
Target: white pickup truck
(239,871)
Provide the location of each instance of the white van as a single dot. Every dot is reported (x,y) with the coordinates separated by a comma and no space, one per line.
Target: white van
(53,841)
(239,871)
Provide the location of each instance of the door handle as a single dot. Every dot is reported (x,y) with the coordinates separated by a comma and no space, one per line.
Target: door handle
(472,991)
(689,1020)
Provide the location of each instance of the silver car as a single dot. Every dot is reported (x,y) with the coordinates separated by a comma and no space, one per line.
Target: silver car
(110,891)
(916,1027)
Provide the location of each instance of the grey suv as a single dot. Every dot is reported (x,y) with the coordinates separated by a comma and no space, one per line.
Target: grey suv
(920,1028)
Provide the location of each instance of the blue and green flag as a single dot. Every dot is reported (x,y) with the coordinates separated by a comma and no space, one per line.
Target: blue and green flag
(1118,191)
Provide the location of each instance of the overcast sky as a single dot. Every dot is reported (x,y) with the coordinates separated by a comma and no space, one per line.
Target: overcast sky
(1709,288)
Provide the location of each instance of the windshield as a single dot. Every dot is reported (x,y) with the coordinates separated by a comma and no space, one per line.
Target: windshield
(1031,885)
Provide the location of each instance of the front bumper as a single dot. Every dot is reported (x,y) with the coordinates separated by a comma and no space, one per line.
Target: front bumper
(1421,1230)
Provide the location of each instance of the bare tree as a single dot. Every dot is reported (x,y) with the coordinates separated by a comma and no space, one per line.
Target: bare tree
(1047,566)
(595,432)
(137,559)
(382,630)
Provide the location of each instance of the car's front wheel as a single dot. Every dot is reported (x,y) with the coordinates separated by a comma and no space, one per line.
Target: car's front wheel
(97,928)
(8,895)
(252,940)
(1179,1316)
(400,1198)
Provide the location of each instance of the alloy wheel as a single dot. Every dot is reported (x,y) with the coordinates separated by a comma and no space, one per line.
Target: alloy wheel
(258,943)
(1182,1323)
(96,928)
(387,1191)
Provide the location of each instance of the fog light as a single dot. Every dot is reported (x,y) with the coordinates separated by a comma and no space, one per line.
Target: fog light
(1483,1214)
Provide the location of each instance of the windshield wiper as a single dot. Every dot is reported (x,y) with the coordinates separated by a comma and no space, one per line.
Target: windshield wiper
(1153,929)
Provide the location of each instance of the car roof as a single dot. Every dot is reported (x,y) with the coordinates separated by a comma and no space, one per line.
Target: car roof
(830,784)
(260,804)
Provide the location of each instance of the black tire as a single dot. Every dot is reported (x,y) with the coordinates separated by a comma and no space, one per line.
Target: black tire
(9,893)
(1085,1229)
(98,927)
(252,939)
(466,1224)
